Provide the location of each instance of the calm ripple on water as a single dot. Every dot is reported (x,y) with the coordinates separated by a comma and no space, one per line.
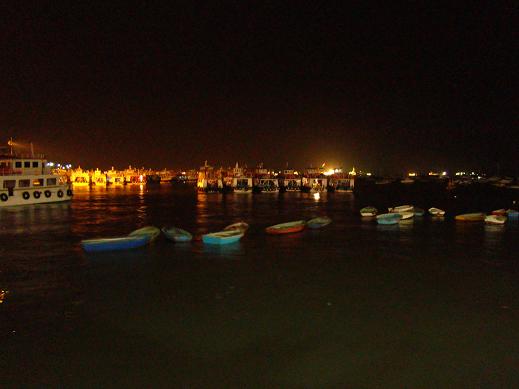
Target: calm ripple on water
(427,303)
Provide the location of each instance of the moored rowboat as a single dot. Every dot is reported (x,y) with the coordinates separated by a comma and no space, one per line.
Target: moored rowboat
(111,244)
(471,217)
(495,219)
(150,232)
(318,222)
(368,212)
(389,218)
(241,226)
(406,215)
(401,208)
(436,211)
(286,228)
(176,234)
(500,212)
(223,237)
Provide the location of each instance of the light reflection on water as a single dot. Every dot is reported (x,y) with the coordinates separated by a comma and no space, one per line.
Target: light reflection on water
(300,301)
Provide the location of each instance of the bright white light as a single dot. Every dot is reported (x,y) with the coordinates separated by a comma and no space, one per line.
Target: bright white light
(317,196)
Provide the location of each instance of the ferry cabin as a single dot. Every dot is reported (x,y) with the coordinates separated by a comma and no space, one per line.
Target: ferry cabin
(242,184)
(28,180)
(98,178)
(79,177)
(290,181)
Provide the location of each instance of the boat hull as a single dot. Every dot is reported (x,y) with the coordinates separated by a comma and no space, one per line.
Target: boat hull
(286,228)
(31,196)
(318,222)
(114,244)
(150,232)
(223,237)
(177,235)
(471,217)
(389,218)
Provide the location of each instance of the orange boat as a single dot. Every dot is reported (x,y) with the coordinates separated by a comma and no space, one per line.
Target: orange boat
(471,217)
(286,228)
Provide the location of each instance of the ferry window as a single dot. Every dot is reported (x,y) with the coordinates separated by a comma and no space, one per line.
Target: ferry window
(18,164)
(51,181)
(37,182)
(4,165)
(27,164)
(24,183)
(9,184)
(35,164)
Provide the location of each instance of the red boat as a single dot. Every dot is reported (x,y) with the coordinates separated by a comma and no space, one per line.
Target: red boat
(286,228)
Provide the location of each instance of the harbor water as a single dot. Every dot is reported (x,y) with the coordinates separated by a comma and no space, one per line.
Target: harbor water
(428,303)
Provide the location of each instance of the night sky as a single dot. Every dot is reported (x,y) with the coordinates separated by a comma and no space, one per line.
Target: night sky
(385,89)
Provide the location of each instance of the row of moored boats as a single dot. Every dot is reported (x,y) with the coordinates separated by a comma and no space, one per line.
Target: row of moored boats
(230,234)
(404,212)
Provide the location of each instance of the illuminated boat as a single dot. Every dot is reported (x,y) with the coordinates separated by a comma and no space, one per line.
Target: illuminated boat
(112,244)
(223,237)
(27,179)
(286,228)
(500,212)
(80,177)
(436,211)
(471,217)
(114,177)
(401,208)
(98,178)
(318,222)
(406,215)
(177,234)
(150,232)
(368,212)
(240,226)
(389,218)
(495,219)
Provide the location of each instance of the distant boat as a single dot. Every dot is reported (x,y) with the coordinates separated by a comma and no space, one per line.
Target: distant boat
(112,244)
(512,214)
(418,211)
(401,208)
(176,234)
(368,212)
(495,219)
(436,211)
(471,217)
(501,212)
(318,222)
(389,218)
(223,237)
(150,232)
(286,228)
(240,226)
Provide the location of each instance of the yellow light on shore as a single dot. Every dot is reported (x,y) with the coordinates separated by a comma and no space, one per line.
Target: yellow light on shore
(412,174)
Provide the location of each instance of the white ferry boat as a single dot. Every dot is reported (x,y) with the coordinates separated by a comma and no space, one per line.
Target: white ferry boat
(26,179)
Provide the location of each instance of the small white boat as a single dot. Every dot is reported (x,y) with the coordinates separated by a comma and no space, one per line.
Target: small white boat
(495,219)
(401,208)
(240,226)
(436,212)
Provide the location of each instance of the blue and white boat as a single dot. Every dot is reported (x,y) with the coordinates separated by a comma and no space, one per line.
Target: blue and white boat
(223,237)
(176,234)
(389,218)
(112,244)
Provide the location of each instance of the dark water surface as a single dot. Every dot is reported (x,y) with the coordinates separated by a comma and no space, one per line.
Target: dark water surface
(426,304)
